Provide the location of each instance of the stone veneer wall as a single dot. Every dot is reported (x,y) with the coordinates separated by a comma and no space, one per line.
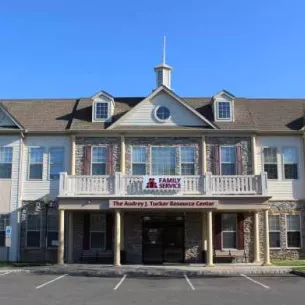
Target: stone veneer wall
(282,208)
(41,253)
(246,151)
(81,142)
(148,142)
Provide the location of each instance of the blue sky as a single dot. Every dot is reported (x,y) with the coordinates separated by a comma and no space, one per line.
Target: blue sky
(64,48)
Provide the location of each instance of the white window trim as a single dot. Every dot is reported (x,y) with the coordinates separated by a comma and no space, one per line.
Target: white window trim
(94,118)
(172,146)
(94,231)
(226,249)
(278,151)
(156,116)
(220,161)
(276,231)
(216,110)
(12,148)
(131,170)
(283,164)
(26,233)
(49,161)
(54,247)
(194,163)
(91,165)
(286,226)
(29,163)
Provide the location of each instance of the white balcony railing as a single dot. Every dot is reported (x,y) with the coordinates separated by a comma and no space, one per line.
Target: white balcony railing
(126,185)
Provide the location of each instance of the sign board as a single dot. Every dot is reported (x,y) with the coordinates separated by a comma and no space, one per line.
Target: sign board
(8,236)
(54,243)
(163,204)
(162,183)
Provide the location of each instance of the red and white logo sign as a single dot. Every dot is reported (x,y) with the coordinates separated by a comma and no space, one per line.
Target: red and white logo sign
(156,183)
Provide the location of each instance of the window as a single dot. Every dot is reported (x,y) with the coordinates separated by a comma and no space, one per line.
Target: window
(101,111)
(98,231)
(138,160)
(274,231)
(52,231)
(4,221)
(293,231)
(187,160)
(224,111)
(6,155)
(56,162)
(229,225)
(99,160)
(33,231)
(162,113)
(163,160)
(160,77)
(227,159)
(270,162)
(36,163)
(290,163)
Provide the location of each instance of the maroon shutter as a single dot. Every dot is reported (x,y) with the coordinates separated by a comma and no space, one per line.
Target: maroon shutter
(216,160)
(86,232)
(217,232)
(109,231)
(109,170)
(87,160)
(240,231)
(239,164)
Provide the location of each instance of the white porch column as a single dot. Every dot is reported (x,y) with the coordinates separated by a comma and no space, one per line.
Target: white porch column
(257,258)
(210,240)
(61,237)
(73,150)
(267,250)
(203,155)
(122,163)
(117,239)
(70,238)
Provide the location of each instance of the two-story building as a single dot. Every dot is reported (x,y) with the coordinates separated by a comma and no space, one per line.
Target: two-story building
(159,179)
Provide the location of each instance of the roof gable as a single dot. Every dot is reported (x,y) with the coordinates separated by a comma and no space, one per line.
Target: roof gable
(7,120)
(145,113)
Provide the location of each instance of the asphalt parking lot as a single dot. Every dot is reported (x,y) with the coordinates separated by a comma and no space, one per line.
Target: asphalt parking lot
(30,289)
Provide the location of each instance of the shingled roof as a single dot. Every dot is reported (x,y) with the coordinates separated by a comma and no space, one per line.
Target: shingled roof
(57,115)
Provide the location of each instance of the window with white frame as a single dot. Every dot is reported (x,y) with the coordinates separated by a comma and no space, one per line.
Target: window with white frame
(138,160)
(33,230)
(293,223)
(187,160)
(274,231)
(101,111)
(290,160)
(163,160)
(97,231)
(224,110)
(270,162)
(6,156)
(227,160)
(56,162)
(229,227)
(4,221)
(36,163)
(52,234)
(99,157)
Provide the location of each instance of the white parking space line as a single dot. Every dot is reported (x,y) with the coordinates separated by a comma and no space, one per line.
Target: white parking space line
(5,273)
(189,282)
(120,282)
(256,282)
(49,282)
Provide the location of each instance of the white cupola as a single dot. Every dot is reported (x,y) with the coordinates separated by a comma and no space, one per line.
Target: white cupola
(163,71)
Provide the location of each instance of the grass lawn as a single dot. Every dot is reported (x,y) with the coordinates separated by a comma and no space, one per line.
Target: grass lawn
(300,269)
(299,262)
(20,265)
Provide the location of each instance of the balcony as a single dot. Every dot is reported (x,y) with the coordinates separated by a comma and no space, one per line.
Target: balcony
(120,185)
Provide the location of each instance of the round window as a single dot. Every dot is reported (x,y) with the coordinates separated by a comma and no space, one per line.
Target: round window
(163,113)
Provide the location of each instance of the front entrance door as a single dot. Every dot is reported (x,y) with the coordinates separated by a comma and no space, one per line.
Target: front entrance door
(163,240)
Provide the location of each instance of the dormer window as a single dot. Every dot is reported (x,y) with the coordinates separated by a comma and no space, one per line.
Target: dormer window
(224,110)
(101,111)
(102,107)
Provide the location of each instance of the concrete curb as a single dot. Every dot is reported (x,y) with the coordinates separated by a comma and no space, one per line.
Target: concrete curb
(173,273)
